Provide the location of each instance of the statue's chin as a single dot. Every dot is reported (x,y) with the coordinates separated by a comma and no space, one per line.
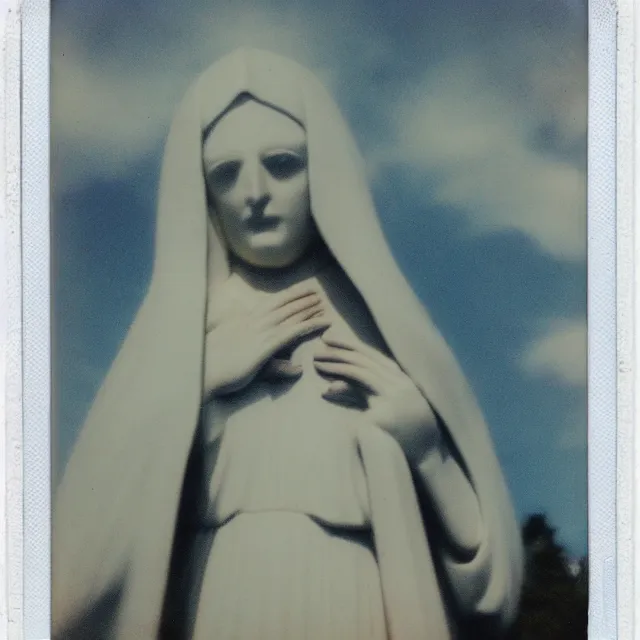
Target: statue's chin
(272,258)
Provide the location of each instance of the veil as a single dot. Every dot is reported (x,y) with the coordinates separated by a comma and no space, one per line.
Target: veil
(115,509)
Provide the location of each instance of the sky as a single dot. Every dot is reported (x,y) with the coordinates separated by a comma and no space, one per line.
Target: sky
(471,116)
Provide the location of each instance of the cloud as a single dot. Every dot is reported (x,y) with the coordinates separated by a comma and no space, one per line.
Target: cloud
(503,144)
(561,353)
(107,116)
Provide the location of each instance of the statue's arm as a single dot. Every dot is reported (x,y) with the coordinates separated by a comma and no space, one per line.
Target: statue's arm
(453,501)
(482,574)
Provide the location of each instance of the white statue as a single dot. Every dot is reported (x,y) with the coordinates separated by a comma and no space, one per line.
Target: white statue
(285,447)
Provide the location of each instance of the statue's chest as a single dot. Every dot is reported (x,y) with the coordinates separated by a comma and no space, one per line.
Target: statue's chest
(349,317)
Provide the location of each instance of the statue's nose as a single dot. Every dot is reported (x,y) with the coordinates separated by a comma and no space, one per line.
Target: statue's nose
(258,205)
(257,185)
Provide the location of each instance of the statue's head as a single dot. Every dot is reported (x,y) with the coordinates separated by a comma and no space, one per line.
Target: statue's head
(255,164)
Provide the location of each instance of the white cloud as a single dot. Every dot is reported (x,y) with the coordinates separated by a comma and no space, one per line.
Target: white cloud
(561,353)
(106,116)
(473,136)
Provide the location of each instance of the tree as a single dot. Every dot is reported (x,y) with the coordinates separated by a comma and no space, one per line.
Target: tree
(554,604)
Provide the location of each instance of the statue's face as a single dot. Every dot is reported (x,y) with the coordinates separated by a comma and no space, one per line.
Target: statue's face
(255,164)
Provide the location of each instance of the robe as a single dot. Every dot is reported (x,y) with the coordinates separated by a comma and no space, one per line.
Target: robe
(122,512)
(286,546)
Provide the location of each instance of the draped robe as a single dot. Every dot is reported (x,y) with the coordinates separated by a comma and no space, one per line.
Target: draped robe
(126,486)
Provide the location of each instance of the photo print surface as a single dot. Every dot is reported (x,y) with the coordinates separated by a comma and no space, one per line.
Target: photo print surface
(319,287)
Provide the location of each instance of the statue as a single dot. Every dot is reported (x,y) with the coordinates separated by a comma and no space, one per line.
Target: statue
(285,446)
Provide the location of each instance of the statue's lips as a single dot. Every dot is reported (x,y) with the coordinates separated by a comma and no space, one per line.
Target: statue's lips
(258,223)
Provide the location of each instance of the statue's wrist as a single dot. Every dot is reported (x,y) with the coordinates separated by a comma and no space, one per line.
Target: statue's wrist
(421,443)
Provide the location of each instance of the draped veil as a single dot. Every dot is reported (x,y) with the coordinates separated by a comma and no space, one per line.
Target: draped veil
(115,510)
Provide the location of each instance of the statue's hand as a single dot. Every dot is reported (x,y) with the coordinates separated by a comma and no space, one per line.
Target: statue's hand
(395,403)
(239,346)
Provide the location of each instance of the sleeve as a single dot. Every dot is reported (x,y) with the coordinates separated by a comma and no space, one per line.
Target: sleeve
(482,576)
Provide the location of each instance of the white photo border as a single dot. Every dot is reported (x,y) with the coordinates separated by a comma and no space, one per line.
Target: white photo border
(11,525)
(601,320)
(628,382)
(25,448)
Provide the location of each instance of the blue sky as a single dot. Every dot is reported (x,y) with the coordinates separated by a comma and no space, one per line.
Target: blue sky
(471,116)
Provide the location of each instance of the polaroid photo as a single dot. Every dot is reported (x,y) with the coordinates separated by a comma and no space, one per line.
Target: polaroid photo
(319,321)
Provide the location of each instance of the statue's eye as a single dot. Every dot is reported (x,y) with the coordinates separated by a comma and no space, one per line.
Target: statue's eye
(284,165)
(224,175)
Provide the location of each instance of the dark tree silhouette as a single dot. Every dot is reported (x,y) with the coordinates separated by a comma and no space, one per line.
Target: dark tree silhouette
(554,603)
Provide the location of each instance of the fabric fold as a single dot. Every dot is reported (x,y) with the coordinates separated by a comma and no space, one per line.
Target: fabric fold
(413,601)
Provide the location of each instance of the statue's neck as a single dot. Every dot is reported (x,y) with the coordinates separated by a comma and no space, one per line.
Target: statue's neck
(279,279)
